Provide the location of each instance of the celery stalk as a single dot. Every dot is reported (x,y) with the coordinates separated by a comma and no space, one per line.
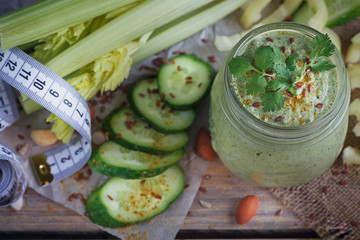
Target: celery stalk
(139,20)
(179,30)
(46,17)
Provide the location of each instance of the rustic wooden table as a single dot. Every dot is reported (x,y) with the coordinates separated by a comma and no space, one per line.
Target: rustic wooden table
(42,218)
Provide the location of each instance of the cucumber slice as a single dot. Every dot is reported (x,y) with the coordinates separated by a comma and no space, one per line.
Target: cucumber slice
(125,128)
(120,202)
(185,81)
(339,12)
(112,159)
(146,102)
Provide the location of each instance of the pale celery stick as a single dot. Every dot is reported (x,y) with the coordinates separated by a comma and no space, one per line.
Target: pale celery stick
(182,29)
(49,17)
(139,20)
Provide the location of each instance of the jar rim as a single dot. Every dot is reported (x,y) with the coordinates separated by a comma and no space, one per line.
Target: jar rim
(281,132)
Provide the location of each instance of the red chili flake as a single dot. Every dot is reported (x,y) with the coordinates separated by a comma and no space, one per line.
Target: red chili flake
(147,127)
(123,104)
(21,137)
(155,90)
(188,82)
(292,51)
(211,59)
(162,95)
(172,61)
(304,92)
(269,39)
(156,195)
(148,91)
(163,107)
(289,94)
(118,135)
(142,182)
(166,61)
(288,18)
(175,52)
(150,69)
(178,68)
(201,189)
(171,95)
(278,119)
(278,212)
(291,40)
(110,197)
(354,223)
(26,191)
(345,166)
(300,84)
(308,69)
(18,147)
(86,214)
(325,189)
(199,85)
(283,48)
(171,111)
(207,177)
(142,95)
(319,105)
(309,88)
(204,40)
(335,173)
(186,186)
(342,182)
(158,102)
(307,60)
(188,78)
(188,213)
(312,216)
(256,104)
(73,196)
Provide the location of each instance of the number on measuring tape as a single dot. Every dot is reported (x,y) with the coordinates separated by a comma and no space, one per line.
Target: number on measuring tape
(26,75)
(3,57)
(12,66)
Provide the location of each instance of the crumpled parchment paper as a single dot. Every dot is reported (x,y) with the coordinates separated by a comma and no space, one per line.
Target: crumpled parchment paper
(167,224)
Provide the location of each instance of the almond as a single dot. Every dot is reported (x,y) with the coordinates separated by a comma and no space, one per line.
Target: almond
(246,209)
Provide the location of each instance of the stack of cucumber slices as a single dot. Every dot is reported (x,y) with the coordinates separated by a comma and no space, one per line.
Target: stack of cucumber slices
(146,140)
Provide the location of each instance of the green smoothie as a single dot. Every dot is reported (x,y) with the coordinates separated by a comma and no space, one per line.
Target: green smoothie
(293,137)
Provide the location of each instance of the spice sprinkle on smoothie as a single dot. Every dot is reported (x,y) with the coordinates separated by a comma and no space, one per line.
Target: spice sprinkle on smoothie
(284,79)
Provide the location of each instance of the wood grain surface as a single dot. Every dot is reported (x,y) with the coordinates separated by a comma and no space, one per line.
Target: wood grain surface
(42,217)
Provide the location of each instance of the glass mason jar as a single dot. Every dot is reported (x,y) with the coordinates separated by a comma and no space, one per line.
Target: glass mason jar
(269,155)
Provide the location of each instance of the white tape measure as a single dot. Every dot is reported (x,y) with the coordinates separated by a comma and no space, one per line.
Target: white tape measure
(56,95)
(12,177)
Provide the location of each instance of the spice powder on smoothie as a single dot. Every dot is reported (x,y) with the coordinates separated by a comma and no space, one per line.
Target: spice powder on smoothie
(285,78)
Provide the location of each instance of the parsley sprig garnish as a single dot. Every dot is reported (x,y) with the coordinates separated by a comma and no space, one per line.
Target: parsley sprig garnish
(268,74)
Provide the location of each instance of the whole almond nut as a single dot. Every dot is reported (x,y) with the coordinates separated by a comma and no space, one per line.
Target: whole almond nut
(43,137)
(246,209)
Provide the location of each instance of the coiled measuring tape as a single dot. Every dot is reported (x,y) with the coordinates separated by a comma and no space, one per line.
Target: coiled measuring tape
(30,77)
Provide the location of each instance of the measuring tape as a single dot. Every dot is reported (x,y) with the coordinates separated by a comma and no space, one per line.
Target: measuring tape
(30,77)
(12,177)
